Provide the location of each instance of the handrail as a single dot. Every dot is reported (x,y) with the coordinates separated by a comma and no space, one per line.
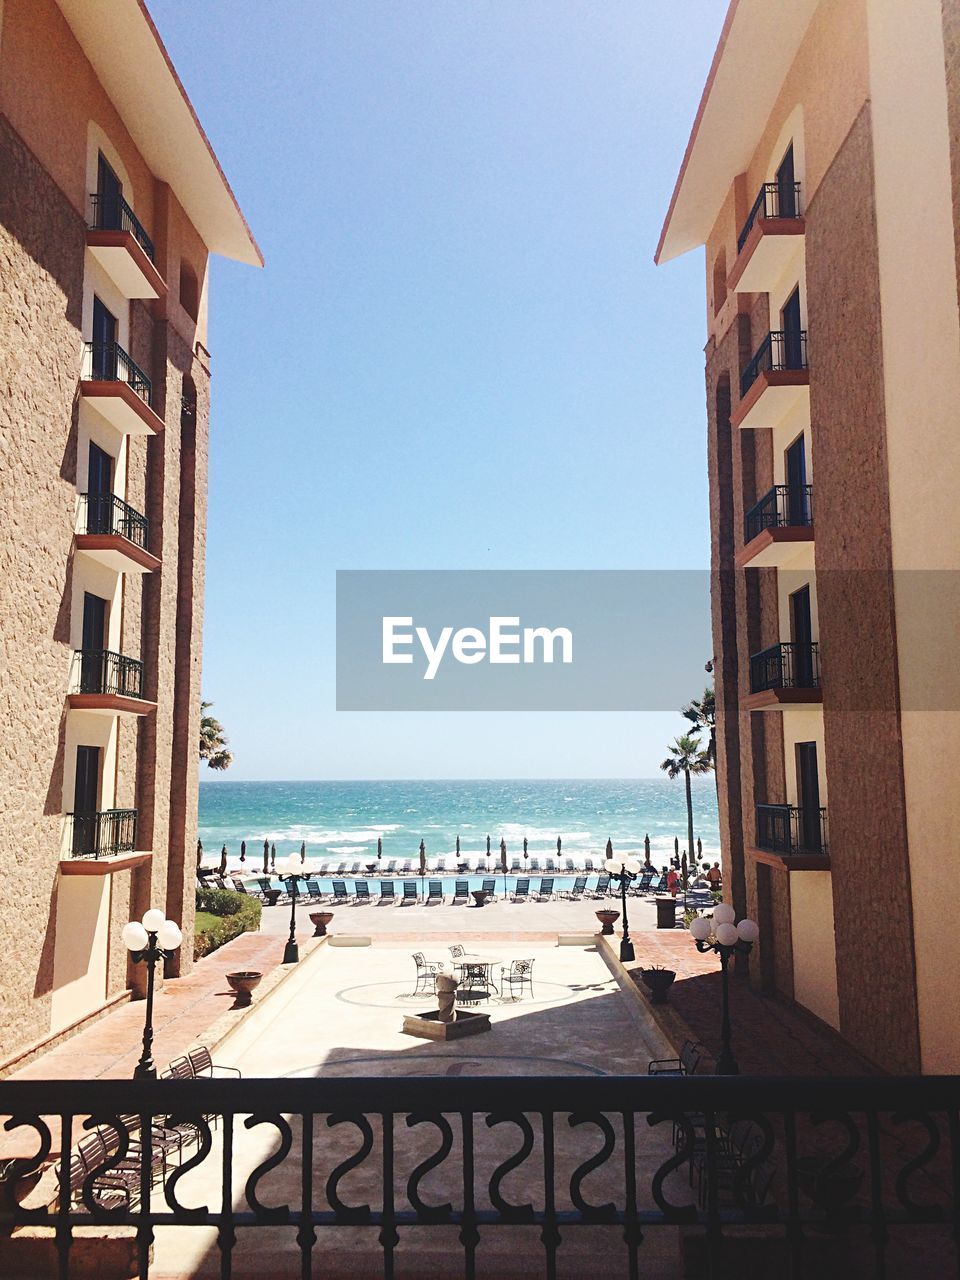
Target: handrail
(781,828)
(784,506)
(103,671)
(785,666)
(775,200)
(101,833)
(108,362)
(112,213)
(106,513)
(780,349)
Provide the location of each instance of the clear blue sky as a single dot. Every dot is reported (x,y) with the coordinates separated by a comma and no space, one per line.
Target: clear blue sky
(459,355)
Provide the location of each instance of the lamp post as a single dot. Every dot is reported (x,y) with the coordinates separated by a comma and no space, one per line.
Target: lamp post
(291,873)
(727,939)
(156,938)
(625,870)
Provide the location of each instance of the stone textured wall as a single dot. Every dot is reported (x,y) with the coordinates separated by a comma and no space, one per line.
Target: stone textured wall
(866,806)
(951,47)
(41,272)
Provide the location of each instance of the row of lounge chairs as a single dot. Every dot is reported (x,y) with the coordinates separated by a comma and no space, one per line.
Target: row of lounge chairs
(111,1181)
(449,864)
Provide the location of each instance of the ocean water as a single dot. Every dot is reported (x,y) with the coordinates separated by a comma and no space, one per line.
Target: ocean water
(342,820)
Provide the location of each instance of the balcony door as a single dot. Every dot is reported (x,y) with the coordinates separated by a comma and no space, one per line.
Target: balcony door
(86,799)
(109,191)
(104,342)
(801,637)
(99,491)
(795,468)
(808,798)
(792,331)
(786,187)
(93,642)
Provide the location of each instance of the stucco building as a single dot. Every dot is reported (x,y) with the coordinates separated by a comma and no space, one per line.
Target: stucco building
(111,202)
(823,177)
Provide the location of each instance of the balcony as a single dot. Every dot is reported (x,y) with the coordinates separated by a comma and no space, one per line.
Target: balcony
(119,390)
(775,381)
(103,834)
(114,534)
(109,684)
(778,530)
(118,242)
(784,675)
(793,836)
(770,239)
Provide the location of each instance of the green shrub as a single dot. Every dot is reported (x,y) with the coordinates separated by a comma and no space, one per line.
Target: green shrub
(235,914)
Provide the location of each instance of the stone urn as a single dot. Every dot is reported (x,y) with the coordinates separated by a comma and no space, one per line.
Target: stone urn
(320,920)
(446,997)
(480,896)
(243,984)
(607,918)
(658,982)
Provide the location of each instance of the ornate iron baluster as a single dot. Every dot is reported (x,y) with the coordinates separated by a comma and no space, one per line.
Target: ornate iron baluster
(593,1212)
(550,1235)
(632,1234)
(469,1235)
(360,1215)
(306,1235)
(226,1235)
(878,1221)
(511,1212)
(389,1236)
(427,1212)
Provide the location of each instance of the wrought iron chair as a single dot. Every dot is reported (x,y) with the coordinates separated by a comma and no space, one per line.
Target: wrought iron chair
(427,973)
(515,977)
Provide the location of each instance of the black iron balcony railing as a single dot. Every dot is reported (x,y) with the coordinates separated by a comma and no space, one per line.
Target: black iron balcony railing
(106,513)
(776,200)
(786,829)
(112,213)
(108,362)
(785,666)
(101,671)
(551,1174)
(781,349)
(96,835)
(785,506)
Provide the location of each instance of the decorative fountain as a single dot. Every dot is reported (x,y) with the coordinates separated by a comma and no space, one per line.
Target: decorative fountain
(446,1022)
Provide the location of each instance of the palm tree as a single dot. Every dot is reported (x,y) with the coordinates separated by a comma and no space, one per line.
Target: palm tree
(687,757)
(703,715)
(213,741)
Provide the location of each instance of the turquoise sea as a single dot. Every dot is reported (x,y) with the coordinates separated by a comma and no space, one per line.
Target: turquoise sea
(344,819)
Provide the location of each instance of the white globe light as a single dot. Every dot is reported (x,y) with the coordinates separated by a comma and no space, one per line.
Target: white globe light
(723,913)
(613,866)
(701,928)
(727,934)
(169,935)
(633,866)
(748,930)
(134,936)
(153,919)
(293,864)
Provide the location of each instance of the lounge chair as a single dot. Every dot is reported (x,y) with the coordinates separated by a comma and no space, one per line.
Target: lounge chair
(341,867)
(266,885)
(386,892)
(461,891)
(550,865)
(588,865)
(515,864)
(603,885)
(354,869)
(489,887)
(314,893)
(643,884)
(534,864)
(240,887)
(579,885)
(406,868)
(410,893)
(434,891)
(545,892)
(570,866)
(340,892)
(322,869)
(522,892)
(391,866)
(362,892)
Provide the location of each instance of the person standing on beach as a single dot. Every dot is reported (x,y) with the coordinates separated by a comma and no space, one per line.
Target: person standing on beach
(715,876)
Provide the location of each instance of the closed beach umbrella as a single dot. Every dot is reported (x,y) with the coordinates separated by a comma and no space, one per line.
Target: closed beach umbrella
(458,846)
(199,852)
(273,857)
(646,847)
(243,850)
(423,858)
(503,855)
(559,844)
(609,848)
(524,847)
(699,849)
(676,847)
(379,847)
(683,868)
(223,860)
(303,852)
(266,856)
(488,846)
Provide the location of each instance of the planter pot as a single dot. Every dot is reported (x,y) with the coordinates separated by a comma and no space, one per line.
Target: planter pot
(607,919)
(658,982)
(480,896)
(243,984)
(320,920)
(272,896)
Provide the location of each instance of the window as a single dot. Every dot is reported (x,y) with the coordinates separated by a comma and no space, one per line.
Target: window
(719,281)
(189,290)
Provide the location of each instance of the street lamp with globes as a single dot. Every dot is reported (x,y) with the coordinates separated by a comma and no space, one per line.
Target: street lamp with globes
(155,938)
(291,873)
(625,870)
(721,935)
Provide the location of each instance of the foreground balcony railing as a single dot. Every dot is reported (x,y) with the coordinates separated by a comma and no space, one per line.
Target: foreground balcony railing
(785,666)
(112,213)
(775,200)
(780,350)
(783,507)
(105,513)
(108,362)
(97,835)
(789,830)
(549,1175)
(103,671)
